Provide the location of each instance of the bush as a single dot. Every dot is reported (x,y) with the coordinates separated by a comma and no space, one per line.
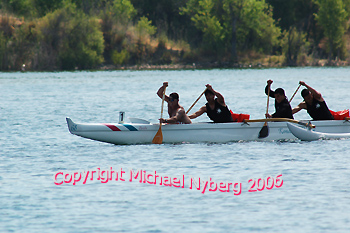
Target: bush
(121,57)
(18,7)
(144,28)
(166,58)
(8,41)
(293,44)
(68,39)
(83,47)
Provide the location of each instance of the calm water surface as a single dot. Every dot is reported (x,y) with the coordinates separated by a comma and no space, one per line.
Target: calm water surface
(35,145)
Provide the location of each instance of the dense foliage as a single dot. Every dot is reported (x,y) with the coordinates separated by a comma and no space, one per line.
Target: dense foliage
(86,34)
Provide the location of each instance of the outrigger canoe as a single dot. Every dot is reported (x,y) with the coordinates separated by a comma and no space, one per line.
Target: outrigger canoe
(306,134)
(139,131)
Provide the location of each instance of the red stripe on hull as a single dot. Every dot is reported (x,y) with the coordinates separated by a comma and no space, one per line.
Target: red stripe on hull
(112,127)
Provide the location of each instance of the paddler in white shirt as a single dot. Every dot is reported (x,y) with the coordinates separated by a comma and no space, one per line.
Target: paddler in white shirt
(177,113)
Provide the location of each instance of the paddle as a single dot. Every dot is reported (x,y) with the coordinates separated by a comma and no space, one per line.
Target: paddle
(264,132)
(158,138)
(294,93)
(196,101)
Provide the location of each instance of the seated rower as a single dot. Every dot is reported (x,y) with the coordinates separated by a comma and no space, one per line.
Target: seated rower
(215,108)
(282,106)
(176,112)
(314,104)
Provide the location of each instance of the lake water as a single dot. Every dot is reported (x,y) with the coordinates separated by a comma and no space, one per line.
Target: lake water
(36,147)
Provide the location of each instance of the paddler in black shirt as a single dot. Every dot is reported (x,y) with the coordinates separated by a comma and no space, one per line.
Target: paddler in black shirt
(215,108)
(314,104)
(282,106)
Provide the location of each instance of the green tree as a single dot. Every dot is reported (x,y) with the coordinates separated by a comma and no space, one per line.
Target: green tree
(42,7)
(8,25)
(346,4)
(123,10)
(18,7)
(257,29)
(293,13)
(83,47)
(230,24)
(293,42)
(203,16)
(332,18)
(91,6)
(144,26)
(116,19)
(68,39)
(23,44)
(165,16)
(121,57)
(144,30)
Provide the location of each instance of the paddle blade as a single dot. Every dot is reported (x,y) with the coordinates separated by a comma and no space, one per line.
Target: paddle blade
(264,132)
(158,138)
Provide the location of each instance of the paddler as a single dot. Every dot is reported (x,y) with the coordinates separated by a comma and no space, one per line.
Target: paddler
(314,104)
(177,113)
(282,106)
(215,108)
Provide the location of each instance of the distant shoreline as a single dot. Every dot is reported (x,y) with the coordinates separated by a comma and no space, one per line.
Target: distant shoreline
(201,65)
(216,65)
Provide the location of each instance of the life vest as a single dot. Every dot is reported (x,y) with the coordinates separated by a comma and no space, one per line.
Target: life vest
(239,117)
(340,115)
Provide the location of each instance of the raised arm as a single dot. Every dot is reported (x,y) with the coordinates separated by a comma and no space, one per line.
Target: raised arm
(268,86)
(317,95)
(218,95)
(160,92)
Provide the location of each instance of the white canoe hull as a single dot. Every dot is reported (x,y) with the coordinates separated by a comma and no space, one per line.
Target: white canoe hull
(142,132)
(311,135)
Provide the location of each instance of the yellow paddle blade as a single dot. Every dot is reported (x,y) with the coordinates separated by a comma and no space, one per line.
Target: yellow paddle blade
(158,138)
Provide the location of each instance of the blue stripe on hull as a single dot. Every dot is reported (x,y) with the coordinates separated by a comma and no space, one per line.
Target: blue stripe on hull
(130,127)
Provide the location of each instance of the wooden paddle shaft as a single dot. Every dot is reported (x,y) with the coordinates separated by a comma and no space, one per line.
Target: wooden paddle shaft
(294,93)
(267,111)
(196,101)
(163,98)
(268,99)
